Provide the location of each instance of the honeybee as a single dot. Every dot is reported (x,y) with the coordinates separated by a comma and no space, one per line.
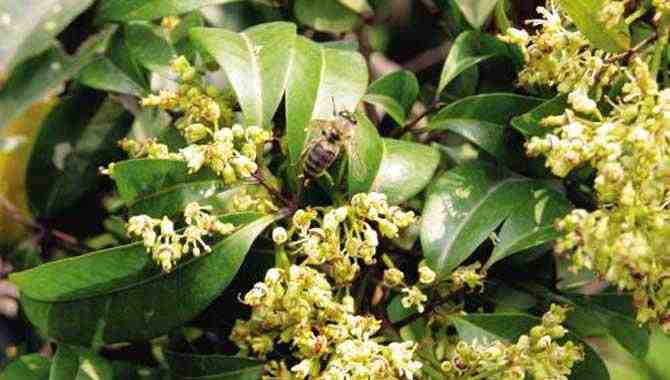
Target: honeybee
(324,149)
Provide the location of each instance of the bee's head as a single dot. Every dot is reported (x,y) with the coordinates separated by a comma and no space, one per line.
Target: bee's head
(332,134)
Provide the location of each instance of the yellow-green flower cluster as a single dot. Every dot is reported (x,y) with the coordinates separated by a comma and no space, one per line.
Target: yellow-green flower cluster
(168,246)
(537,355)
(298,307)
(341,237)
(230,150)
(625,239)
(559,55)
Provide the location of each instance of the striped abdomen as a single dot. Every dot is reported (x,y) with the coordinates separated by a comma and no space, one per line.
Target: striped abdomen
(320,157)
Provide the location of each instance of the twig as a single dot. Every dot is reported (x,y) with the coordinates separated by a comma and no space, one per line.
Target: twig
(414,317)
(433,107)
(68,239)
(633,50)
(428,58)
(274,192)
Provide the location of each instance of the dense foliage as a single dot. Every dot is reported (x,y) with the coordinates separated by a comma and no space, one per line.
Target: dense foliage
(214,189)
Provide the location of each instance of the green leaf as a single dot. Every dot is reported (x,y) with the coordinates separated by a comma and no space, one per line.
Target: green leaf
(406,169)
(511,326)
(489,137)
(75,363)
(529,123)
(107,296)
(496,108)
(325,15)
(103,74)
(256,68)
(585,14)
(29,27)
(27,367)
(44,74)
(144,177)
(78,136)
(364,155)
(469,49)
(615,314)
(396,93)
(126,10)
(477,12)
(388,104)
(213,367)
(320,78)
(463,206)
(149,47)
(151,122)
(531,224)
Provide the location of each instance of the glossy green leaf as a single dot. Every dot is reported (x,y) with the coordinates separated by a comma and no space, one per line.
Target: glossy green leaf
(29,27)
(364,155)
(77,137)
(325,15)
(531,224)
(103,74)
(256,68)
(27,367)
(320,78)
(463,206)
(477,12)
(388,104)
(585,14)
(497,108)
(511,326)
(406,169)
(75,363)
(149,47)
(489,137)
(529,123)
(395,93)
(42,75)
(469,49)
(126,10)
(401,85)
(144,177)
(212,367)
(102,300)
(615,314)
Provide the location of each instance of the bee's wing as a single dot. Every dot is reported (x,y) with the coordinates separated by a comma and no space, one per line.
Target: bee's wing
(358,168)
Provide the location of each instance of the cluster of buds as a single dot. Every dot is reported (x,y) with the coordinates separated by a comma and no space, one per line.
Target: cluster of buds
(199,102)
(230,150)
(168,246)
(298,307)
(339,238)
(558,55)
(252,198)
(537,355)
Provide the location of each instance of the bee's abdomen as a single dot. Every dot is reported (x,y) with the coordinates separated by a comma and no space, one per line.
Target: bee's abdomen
(319,159)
